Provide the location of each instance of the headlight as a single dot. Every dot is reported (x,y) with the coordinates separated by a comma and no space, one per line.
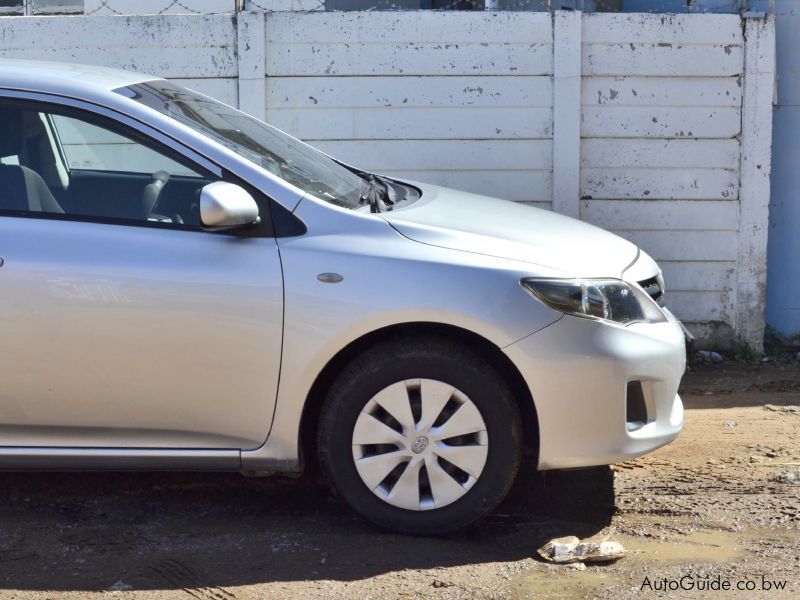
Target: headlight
(608,299)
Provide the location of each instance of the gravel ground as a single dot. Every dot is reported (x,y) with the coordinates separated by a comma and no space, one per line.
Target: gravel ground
(718,505)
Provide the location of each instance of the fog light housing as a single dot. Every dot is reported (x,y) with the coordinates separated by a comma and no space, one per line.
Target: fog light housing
(636,413)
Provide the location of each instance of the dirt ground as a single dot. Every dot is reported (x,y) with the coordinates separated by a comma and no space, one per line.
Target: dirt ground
(715,503)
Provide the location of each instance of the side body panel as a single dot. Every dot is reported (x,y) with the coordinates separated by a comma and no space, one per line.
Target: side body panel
(387,280)
(120,336)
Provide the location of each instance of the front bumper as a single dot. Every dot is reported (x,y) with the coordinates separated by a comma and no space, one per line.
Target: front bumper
(578,371)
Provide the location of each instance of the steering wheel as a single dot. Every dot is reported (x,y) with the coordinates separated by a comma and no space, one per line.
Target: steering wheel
(152,193)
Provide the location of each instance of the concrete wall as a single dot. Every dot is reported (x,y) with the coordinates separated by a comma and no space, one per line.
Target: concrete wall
(467,104)
(661,120)
(633,122)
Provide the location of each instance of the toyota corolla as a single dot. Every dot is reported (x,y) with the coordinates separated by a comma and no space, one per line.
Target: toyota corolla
(184,287)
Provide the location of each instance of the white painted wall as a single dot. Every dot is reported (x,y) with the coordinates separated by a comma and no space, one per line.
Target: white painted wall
(445,98)
(660,124)
(647,121)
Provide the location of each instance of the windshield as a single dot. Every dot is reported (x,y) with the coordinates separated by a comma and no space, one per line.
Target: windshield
(284,156)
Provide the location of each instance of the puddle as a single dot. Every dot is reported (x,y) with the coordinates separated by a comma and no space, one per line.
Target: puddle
(710,546)
(698,546)
(566,584)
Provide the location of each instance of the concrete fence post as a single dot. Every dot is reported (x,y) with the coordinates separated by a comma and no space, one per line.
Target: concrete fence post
(567,27)
(754,192)
(251,41)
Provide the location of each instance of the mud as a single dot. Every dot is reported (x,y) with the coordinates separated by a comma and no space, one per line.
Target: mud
(716,505)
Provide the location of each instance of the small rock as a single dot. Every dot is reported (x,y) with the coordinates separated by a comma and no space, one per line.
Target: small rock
(730,423)
(784,409)
(570,549)
(709,355)
(755,458)
(438,583)
(792,477)
(120,586)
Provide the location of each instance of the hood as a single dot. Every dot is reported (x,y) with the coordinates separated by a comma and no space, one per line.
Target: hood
(505,229)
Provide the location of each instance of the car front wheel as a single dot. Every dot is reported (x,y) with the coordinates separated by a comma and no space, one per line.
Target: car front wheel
(420,436)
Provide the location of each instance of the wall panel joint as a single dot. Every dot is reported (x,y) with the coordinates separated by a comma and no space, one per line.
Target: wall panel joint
(251,40)
(567,27)
(758,82)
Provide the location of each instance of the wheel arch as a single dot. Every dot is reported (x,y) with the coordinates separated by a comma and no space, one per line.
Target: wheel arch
(487,350)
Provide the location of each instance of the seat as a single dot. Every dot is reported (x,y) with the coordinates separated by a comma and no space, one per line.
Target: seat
(21,188)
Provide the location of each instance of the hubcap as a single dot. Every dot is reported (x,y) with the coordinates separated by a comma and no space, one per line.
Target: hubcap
(420,444)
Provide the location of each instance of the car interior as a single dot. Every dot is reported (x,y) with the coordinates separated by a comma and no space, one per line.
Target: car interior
(60,164)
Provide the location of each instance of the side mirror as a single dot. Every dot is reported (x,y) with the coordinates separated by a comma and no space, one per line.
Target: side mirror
(225,205)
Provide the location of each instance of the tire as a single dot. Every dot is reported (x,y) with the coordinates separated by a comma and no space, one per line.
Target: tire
(358,441)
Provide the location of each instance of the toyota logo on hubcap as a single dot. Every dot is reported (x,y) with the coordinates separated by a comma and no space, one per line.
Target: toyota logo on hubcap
(419,444)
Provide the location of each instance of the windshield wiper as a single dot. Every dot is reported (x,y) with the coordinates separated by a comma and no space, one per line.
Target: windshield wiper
(376,193)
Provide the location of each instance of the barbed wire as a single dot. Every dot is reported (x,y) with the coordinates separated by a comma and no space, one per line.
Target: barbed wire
(104,4)
(319,5)
(191,10)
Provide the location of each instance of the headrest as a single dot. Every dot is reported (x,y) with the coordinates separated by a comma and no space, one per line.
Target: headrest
(10,131)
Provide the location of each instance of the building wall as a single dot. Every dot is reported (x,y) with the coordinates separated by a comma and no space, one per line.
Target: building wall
(783,301)
(629,121)
(660,125)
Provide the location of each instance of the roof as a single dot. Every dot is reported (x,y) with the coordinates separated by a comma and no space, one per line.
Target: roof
(54,76)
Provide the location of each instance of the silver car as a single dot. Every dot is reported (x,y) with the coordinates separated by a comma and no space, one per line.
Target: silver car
(185,287)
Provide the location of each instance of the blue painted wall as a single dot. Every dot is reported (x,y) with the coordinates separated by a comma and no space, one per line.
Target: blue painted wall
(783,273)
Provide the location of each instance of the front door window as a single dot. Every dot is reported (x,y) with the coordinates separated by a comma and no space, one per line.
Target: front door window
(60,161)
